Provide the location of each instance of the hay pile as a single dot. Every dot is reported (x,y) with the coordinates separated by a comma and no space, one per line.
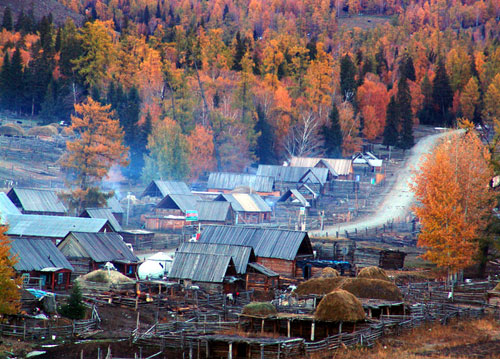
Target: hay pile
(102,276)
(319,286)
(259,309)
(497,288)
(44,131)
(372,289)
(11,129)
(329,272)
(373,273)
(340,306)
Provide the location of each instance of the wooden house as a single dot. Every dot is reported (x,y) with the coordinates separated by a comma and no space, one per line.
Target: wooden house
(160,189)
(170,212)
(105,213)
(339,167)
(39,259)
(293,197)
(248,208)
(215,212)
(226,182)
(37,201)
(286,177)
(276,249)
(213,272)
(366,162)
(55,228)
(90,251)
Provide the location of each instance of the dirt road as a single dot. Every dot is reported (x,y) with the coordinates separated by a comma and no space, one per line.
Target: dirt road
(399,199)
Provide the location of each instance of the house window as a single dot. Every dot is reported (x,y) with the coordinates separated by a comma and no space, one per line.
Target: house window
(60,278)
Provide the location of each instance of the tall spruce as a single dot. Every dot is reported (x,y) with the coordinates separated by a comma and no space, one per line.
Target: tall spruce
(7,22)
(17,84)
(406,139)
(332,134)
(391,133)
(406,68)
(264,150)
(442,95)
(5,81)
(347,78)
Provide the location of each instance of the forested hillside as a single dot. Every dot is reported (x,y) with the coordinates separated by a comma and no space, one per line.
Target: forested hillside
(202,85)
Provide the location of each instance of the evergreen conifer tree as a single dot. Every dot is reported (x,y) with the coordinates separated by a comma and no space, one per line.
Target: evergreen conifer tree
(7,23)
(5,81)
(264,150)
(347,78)
(406,140)
(391,124)
(332,134)
(442,95)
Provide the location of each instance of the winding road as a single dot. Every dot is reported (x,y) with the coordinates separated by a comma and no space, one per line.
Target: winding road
(399,199)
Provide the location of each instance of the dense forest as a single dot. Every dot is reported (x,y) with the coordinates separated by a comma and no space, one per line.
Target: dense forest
(204,85)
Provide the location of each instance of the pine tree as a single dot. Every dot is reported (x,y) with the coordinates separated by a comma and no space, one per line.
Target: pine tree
(406,68)
(239,52)
(347,78)
(74,309)
(146,17)
(391,124)
(16,87)
(406,140)
(442,95)
(5,81)
(7,19)
(426,113)
(332,134)
(264,150)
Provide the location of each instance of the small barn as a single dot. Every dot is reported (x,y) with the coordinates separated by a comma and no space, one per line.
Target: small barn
(213,272)
(340,167)
(37,201)
(161,189)
(170,212)
(226,182)
(55,228)
(276,249)
(39,259)
(89,251)
(215,212)
(286,177)
(105,213)
(249,208)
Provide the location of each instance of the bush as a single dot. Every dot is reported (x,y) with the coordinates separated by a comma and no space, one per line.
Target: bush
(74,309)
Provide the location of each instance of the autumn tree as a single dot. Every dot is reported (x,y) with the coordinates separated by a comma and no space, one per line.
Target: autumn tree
(98,145)
(469,99)
(452,189)
(9,292)
(201,151)
(491,110)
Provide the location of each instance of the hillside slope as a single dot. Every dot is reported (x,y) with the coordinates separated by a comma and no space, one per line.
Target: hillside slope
(41,8)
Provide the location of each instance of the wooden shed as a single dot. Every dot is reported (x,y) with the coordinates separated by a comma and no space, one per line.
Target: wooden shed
(90,251)
(276,249)
(39,259)
(249,208)
(37,201)
(161,189)
(170,212)
(226,182)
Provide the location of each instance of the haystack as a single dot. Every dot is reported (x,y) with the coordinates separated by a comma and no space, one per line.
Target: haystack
(497,288)
(372,289)
(11,129)
(329,272)
(373,273)
(319,285)
(105,277)
(259,309)
(340,306)
(44,131)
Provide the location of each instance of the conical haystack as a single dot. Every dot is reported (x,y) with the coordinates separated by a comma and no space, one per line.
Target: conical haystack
(497,288)
(44,131)
(329,272)
(107,277)
(259,309)
(372,289)
(319,286)
(340,306)
(373,273)
(11,129)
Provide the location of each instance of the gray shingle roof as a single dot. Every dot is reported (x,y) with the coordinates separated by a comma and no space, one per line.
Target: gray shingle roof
(102,247)
(293,174)
(161,189)
(264,270)
(6,206)
(210,268)
(37,254)
(181,201)
(37,200)
(298,197)
(32,225)
(245,202)
(105,213)
(241,255)
(213,211)
(115,205)
(229,181)
(267,243)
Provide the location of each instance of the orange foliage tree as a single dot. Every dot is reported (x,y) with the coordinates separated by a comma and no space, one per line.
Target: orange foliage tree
(373,99)
(98,146)
(9,292)
(201,148)
(452,189)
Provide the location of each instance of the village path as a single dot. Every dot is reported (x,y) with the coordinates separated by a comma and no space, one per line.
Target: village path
(398,201)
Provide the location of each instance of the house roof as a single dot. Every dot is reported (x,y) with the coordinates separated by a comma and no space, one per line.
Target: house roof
(7,207)
(37,200)
(159,188)
(183,202)
(245,202)
(37,254)
(268,243)
(293,174)
(114,204)
(105,213)
(213,211)
(299,198)
(32,225)
(264,270)
(241,255)
(101,247)
(367,158)
(229,181)
(198,267)
(343,167)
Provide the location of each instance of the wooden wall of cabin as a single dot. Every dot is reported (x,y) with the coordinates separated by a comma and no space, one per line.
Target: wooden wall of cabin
(283,267)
